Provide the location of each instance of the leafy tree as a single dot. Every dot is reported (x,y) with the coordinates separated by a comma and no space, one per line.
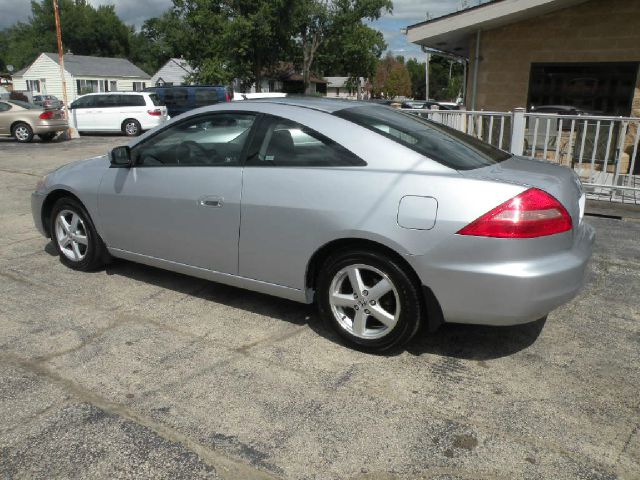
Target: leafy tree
(417,75)
(85,31)
(317,21)
(392,79)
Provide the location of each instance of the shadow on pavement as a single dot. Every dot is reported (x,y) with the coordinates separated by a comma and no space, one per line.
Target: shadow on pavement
(471,342)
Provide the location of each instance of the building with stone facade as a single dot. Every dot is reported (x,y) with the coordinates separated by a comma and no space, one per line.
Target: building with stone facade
(528,53)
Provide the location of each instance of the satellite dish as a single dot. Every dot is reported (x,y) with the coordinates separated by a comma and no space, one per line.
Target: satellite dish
(10,68)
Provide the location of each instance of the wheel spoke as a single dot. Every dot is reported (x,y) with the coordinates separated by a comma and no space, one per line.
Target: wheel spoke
(64,241)
(74,223)
(64,224)
(382,316)
(356,281)
(359,322)
(380,289)
(76,250)
(81,239)
(342,300)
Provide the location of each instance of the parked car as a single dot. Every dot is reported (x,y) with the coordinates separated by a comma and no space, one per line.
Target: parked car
(562,110)
(180,99)
(23,120)
(48,102)
(128,112)
(383,219)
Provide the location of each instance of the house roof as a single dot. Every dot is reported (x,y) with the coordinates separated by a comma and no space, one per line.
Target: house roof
(83,65)
(450,33)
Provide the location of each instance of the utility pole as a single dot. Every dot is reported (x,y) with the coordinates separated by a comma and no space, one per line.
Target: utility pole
(56,15)
(426,77)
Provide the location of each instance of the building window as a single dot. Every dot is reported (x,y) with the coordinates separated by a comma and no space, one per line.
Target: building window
(33,85)
(113,87)
(139,86)
(89,86)
(599,88)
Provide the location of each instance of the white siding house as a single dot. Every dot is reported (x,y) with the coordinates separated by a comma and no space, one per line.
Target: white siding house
(338,87)
(174,72)
(83,74)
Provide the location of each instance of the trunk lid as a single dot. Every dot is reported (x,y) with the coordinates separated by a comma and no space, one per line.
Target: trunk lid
(559,181)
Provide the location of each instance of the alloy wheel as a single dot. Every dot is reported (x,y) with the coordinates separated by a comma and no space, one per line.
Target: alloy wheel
(22,133)
(364,301)
(131,128)
(71,235)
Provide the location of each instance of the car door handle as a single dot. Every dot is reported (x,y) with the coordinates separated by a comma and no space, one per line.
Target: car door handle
(211,202)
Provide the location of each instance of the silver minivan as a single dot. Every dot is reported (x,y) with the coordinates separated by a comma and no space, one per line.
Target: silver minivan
(128,112)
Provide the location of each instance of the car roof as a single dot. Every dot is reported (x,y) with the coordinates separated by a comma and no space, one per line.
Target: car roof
(322,104)
(115,93)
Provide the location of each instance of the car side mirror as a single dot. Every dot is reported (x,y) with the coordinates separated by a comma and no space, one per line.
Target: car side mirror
(121,157)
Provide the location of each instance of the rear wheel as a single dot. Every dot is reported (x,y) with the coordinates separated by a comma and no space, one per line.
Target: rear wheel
(75,237)
(369,300)
(22,132)
(47,137)
(131,128)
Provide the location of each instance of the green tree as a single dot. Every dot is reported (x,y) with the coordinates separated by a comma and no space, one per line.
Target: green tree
(417,76)
(333,26)
(392,79)
(85,31)
(352,49)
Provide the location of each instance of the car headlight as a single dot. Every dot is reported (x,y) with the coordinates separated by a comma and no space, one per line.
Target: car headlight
(41,183)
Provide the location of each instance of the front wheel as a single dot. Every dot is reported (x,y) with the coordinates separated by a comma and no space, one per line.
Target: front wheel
(369,299)
(75,237)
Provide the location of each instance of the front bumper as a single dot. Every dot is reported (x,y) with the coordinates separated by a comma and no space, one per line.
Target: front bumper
(37,200)
(511,292)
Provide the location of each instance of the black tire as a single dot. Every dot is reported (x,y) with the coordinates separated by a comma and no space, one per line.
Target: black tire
(406,294)
(47,137)
(131,127)
(22,132)
(94,253)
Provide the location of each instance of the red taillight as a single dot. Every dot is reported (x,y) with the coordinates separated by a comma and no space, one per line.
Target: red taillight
(155,113)
(228,97)
(48,115)
(533,213)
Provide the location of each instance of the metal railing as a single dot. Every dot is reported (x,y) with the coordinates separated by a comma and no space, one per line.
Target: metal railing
(602,150)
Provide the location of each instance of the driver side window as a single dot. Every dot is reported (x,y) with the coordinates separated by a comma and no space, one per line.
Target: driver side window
(208,140)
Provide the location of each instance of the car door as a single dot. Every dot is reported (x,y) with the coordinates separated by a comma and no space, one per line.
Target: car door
(83,113)
(181,199)
(5,118)
(293,182)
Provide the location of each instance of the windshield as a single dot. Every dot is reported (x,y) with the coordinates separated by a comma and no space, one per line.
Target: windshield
(445,145)
(22,104)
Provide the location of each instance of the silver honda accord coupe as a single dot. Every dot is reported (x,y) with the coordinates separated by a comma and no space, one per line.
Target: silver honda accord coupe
(387,221)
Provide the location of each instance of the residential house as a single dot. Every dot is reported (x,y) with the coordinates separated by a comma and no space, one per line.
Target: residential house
(83,74)
(175,72)
(340,87)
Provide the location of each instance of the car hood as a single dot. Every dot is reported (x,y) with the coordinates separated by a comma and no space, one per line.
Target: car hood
(559,181)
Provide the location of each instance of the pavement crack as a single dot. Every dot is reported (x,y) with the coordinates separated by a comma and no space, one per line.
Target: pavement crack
(225,466)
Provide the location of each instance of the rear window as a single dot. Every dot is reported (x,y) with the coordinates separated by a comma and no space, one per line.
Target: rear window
(156,101)
(29,106)
(445,145)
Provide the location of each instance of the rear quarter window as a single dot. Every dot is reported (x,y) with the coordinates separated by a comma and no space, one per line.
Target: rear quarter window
(442,144)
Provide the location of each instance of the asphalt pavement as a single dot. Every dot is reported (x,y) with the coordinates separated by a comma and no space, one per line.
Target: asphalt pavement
(135,372)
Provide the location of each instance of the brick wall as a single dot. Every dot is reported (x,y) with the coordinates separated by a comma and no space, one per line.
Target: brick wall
(594,31)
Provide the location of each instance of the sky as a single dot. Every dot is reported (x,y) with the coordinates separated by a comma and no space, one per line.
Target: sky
(135,12)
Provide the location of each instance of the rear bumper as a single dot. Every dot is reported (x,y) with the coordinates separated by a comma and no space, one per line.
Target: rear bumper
(511,292)
(150,122)
(50,126)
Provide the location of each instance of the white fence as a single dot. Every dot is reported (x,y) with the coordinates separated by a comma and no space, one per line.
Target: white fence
(602,150)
